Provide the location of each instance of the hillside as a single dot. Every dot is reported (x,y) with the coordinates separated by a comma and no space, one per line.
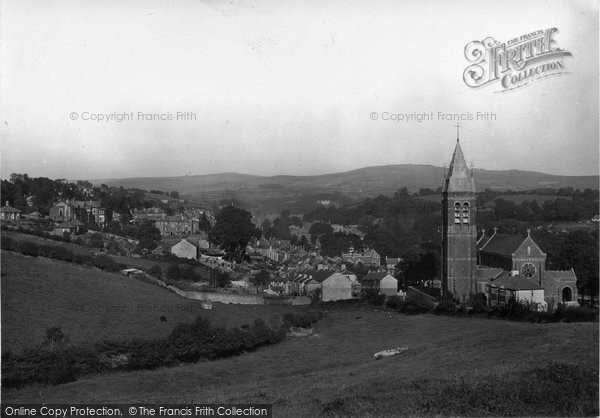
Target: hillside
(453,366)
(90,305)
(369,181)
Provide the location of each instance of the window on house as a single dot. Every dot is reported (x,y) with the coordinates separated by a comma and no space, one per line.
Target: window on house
(465,214)
(457,213)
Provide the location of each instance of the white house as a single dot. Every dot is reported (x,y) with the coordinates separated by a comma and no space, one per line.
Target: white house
(338,286)
(185,249)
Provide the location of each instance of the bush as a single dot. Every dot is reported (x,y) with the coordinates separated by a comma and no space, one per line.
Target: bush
(30,248)
(9,244)
(105,262)
(415,304)
(394,302)
(301,320)
(86,259)
(155,271)
(48,365)
(479,303)
(446,307)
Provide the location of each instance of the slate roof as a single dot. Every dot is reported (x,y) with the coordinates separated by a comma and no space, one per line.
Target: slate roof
(487,273)
(517,282)
(502,244)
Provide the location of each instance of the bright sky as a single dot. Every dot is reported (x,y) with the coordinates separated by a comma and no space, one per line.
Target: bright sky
(284,87)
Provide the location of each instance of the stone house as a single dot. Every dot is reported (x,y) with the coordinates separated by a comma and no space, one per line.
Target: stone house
(185,249)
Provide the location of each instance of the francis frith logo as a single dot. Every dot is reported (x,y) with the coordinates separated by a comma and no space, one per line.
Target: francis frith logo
(516,62)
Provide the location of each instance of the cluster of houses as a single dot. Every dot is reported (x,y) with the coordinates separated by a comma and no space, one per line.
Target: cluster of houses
(68,217)
(186,223)
(332,285)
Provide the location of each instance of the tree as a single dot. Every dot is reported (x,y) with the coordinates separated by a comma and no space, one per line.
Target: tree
(233,231)
(175,194)
(319,229)
(155,271)
(173,272)
(148,235)
(262,278)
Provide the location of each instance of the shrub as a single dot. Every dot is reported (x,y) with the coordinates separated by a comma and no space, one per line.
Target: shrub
(48,365)
(479,303)
(446,307)
(105,262)
(61,253)
(173,272)
(143,354)
(394,302)
(30,248)
(155,271)
(575,314)
(83,259)
(8,243)
(415,304)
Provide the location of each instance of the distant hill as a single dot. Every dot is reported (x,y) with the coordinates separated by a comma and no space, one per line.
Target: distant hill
(368,181)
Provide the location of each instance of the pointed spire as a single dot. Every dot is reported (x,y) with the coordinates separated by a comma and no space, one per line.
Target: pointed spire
(459,178)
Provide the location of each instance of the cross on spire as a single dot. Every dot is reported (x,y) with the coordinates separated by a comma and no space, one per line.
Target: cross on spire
(457,126)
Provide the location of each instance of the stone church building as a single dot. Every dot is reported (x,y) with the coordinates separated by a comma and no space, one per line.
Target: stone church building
(498,265)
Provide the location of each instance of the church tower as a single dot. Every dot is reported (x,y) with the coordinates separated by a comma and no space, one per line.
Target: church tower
(459,233)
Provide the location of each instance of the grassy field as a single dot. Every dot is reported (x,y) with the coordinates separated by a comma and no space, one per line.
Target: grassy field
(453,366)
(91,305)
(134,262)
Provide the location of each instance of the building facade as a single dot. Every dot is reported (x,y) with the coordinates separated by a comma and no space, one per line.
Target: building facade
(459,232)
(502,266)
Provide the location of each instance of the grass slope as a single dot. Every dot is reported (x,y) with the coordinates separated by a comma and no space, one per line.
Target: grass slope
(90,305)
(454,366)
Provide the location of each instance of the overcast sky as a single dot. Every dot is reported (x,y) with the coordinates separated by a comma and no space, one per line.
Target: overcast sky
(282,87)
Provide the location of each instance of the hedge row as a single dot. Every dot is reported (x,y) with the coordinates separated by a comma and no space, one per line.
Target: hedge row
(187,343)
(39,233)
(101,261)
(516,311)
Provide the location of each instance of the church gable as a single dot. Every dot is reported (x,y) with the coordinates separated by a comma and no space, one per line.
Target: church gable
(529,249)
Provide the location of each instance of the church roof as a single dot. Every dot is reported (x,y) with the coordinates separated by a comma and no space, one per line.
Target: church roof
(487,273)
(459,178)
(502,244)
(517,282)
(562,274)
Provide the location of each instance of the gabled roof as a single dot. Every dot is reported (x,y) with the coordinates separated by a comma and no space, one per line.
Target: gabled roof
(517,282)
(9,209)
(502,244)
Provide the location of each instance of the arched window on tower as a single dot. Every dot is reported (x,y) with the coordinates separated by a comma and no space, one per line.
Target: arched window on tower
(457,213)
(465,214)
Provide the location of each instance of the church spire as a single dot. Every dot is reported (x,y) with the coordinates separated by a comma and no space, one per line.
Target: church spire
(459,178)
